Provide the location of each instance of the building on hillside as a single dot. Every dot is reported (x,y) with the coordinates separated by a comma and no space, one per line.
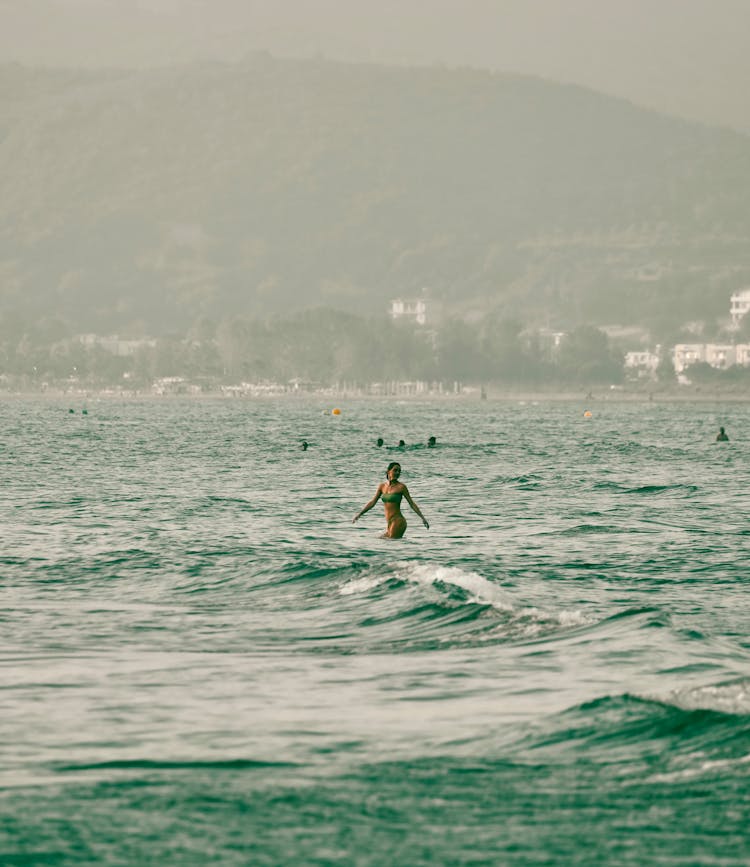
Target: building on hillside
(643,363)
(418,311)
(410,310)
(718,355)
(544,342)
(685,354)
(739,304)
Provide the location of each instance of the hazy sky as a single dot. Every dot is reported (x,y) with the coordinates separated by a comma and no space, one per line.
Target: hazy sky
(685,57)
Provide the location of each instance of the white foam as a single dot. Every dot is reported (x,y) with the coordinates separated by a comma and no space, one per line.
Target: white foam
(362,585)
(530,622)
(427,574)
(731,698)
(479,588)
(575,618)
(527,622)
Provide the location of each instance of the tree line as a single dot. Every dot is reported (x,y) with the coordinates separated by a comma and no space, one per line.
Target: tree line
(322,346)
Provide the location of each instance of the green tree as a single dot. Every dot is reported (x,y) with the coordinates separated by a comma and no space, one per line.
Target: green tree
(665,372)
(460,354)
(503,351)
(586,357)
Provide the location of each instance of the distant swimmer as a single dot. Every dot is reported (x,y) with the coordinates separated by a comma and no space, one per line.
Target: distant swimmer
(392,491)
(304,445)
(401,444)
(431,443)
(379,442)
(721,436)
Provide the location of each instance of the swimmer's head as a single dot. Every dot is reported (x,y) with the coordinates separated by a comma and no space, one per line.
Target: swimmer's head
(431,442)
(379,442)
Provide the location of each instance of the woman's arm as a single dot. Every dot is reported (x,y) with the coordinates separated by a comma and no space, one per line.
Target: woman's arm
(415,507)
(369,505)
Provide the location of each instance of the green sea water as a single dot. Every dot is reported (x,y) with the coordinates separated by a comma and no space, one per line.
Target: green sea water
(202,661)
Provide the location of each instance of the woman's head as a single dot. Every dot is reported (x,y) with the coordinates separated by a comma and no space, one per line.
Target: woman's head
(394,469)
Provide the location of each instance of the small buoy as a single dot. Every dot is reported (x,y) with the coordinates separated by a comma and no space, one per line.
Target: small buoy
(587,414)
(336,411)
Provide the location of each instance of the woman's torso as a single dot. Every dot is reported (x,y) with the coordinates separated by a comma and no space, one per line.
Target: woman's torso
(391,496)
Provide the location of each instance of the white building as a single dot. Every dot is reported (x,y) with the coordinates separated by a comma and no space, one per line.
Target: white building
(642,363)
(718,355)
(546,341)
(685,354)
(739,304)
(410,310)
(418,311)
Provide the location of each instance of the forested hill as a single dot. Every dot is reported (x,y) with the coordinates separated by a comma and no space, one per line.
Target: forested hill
(142,201)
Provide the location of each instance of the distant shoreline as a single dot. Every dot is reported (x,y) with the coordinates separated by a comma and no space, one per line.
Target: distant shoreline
(493,396)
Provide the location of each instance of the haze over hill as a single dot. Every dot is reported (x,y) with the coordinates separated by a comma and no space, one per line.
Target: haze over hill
(683,57)
(142,200)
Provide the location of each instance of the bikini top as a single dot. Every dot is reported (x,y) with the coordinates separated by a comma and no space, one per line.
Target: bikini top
(392,498)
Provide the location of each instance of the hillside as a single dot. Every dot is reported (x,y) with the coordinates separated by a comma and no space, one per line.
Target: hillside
(141,201)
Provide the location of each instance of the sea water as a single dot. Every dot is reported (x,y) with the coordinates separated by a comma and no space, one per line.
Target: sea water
(204,662)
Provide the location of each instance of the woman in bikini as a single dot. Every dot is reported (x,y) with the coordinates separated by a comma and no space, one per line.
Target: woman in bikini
(392,491)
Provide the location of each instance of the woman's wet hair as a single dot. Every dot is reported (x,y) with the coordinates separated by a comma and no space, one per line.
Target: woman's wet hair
(391,465)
